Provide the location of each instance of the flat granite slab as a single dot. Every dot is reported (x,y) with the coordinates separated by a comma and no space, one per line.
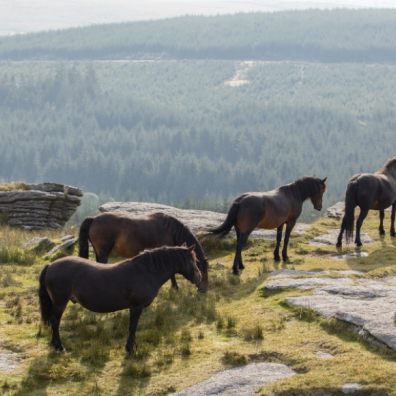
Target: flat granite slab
(239,381)
(330,238)
(196,220)
(369,304)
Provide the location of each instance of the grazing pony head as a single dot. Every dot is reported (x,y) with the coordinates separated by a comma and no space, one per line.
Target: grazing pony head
(312,188)
(190,269)
(317,196)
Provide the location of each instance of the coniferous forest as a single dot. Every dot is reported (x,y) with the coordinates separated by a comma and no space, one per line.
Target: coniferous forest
(143,111)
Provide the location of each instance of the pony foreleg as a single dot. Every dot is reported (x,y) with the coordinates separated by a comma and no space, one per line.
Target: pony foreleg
(359,223)
(279,231)
(393,215)
(134,315)
(289,227)
(174,283)
(381,226)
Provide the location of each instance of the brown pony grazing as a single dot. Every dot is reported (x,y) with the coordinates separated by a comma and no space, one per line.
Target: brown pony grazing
(126,236)
(269,210)
(129,284)
(375,191)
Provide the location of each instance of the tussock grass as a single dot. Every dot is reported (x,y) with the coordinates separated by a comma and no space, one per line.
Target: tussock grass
(18,185)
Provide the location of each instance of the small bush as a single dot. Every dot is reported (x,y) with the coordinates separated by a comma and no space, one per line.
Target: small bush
(253,334)
(137,370)
(233,359)
(185,350)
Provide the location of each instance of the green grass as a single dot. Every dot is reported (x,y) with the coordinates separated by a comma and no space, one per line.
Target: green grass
(185,337)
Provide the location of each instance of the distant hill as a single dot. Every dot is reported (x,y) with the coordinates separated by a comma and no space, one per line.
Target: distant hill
(25,16)
(326,36)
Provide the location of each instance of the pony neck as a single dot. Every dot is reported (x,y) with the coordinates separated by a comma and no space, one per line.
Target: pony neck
(186,236)
(304,187)
(164,264)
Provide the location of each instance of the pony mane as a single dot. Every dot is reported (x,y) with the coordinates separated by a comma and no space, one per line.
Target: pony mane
(390,164)
(155,258)
(309,185)
(182,234)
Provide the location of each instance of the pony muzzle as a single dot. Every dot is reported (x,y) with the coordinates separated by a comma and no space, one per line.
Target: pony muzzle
(203,284)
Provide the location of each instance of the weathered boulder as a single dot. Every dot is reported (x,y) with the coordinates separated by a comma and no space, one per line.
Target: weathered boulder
(197,220)
(241,381)
(368,304)
(39,244)
(67,242)
(335,211)
(39,206)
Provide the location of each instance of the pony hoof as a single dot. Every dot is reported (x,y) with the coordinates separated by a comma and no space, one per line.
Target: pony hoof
(241,267)
(339,245)
(382,233)
(131,350)
(286,258)
(235,272)
(59,348)
(359,244)
(277,259)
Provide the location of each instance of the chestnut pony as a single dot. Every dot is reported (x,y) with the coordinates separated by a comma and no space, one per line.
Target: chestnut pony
(272,209)
(126,236)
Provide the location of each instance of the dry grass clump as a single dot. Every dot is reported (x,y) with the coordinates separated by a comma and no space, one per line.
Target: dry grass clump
(17,185)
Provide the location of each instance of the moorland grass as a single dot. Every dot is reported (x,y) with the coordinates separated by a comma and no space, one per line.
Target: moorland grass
(184,337)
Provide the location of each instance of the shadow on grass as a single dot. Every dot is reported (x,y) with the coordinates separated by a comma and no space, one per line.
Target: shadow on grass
(331,391)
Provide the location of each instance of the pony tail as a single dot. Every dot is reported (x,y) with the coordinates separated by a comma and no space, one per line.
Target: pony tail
(222,230)
(46,306)
(83,237)
(349,216)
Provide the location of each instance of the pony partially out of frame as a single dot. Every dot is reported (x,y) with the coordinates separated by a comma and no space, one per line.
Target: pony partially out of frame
(375,191)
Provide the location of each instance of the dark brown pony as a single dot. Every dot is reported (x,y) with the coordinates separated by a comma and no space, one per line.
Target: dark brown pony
(131,284)
(126,236)
(269,210)
(375,191)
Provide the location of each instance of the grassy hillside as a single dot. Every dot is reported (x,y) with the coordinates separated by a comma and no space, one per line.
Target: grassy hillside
(184,337)
(329,36)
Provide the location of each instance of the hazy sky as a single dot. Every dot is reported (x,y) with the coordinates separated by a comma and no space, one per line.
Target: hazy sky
(18,16)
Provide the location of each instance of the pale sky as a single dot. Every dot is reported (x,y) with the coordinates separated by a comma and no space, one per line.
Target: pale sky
(21,16)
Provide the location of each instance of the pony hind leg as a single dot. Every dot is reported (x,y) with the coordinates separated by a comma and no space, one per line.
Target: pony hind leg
(381,226)
(242,238)
(340,235)
(102,256)
(55,322)
(393,215)
(359,222)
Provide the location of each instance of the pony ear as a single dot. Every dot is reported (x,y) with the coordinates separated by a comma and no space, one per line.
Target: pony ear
(191,248)
(324,180)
